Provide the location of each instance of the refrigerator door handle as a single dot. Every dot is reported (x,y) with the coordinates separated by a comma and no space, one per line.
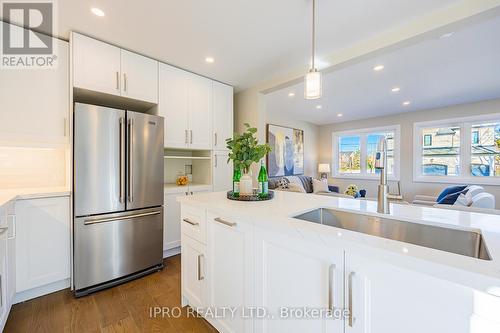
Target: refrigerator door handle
(118,218)
(122,160)
(130,158)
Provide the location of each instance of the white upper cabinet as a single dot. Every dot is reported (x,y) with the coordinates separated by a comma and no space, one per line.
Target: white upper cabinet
(173,105)
(96,65)
(222,171)
(35,103)
(223,114)
(200,112)
(104,68)
(186,105)
(139,77)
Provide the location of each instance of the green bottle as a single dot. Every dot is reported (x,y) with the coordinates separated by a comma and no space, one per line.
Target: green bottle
(263,183)
(236,182)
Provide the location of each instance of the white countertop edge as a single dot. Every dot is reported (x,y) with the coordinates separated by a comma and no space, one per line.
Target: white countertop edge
(477,274)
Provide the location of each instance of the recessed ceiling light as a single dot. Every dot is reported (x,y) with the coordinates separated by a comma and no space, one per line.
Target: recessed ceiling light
(340,115)
(291,94)
(97,12)
(406,103)
(378,68)
(396,89)
(447,35)
(319,107)
(210,60)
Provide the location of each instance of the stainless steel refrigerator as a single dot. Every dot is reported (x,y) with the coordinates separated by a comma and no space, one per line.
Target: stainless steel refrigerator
(118,196)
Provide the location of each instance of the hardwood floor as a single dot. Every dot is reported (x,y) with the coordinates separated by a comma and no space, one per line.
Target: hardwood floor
(125,308)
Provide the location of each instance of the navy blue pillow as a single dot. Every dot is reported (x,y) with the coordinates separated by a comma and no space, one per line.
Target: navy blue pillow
(450,199)
(451,190)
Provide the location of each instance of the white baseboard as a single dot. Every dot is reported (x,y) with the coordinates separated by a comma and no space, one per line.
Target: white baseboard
(172,252)
(40,291)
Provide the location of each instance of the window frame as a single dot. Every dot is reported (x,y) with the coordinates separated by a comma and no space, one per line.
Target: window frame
(465,125)
(363,135)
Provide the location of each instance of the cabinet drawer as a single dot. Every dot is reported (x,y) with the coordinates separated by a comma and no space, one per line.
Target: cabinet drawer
(194,223)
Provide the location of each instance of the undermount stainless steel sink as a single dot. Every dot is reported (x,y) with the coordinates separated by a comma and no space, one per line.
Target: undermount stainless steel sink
(467,243)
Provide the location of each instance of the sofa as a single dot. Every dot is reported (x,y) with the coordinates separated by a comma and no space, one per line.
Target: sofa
(305,183)
(460,197)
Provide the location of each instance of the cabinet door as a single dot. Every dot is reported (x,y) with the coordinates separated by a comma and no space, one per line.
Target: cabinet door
(4,307)
(223,114)
(96,65)
(139,77)
(173,105)
(389,299)
(292,273)
(11,256)
(200,112)
(35,103)
(229,271)
(222,172)
(42,242)
(193,266)
(172,221)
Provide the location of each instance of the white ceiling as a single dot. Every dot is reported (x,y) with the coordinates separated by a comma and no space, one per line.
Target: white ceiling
(431,73)
(251,40)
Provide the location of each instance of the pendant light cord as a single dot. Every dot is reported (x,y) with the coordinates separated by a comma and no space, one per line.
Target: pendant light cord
(313,32)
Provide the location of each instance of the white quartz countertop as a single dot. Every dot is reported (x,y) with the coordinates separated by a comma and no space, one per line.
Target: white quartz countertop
(277,214)
(31,193)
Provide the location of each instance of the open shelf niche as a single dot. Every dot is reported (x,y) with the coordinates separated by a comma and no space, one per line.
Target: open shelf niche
(181,162)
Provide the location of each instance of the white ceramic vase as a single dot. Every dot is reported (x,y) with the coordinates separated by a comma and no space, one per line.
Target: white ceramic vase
(246,184)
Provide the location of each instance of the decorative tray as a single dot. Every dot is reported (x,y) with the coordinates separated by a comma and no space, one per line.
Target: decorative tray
(254,197)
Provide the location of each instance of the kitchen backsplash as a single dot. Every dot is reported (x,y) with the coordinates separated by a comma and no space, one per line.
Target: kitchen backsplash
(22,167)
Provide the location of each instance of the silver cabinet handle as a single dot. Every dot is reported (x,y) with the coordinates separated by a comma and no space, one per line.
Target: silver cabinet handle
(191,136)
(349,298)
(331,286)
(124,81)
(130,159)
(200,276)
(215,158)
(186,140)
(14,227)
(215,138)
(230,224)
(122,163)
(117,80)
(119,218)
(190,222)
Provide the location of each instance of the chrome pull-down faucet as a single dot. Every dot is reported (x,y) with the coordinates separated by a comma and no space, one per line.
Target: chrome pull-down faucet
(383,188)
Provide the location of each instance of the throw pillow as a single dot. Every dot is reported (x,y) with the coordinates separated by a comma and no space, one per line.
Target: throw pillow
(450,190)
(463,201)
(320,186)
(450,199)
(282,184)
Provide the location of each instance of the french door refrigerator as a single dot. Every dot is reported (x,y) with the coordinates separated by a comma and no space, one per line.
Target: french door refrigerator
(118,196)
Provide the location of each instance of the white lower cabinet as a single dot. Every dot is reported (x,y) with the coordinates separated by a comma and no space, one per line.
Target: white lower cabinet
(42,242)
(388,299)
(222,171)
(4,306)
(193,267)
(292,274)
(230,273)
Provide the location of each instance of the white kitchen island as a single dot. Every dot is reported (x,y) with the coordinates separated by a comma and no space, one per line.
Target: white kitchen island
(252,267)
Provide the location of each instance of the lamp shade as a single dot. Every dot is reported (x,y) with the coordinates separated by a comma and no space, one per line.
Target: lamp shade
(324,168)
(312,86)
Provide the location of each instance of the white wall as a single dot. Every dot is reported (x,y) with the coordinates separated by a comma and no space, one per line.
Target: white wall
(406,120)
(311,138)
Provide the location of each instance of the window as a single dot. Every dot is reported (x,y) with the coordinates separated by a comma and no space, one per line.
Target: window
(463,150)
(427,140)
(355,151)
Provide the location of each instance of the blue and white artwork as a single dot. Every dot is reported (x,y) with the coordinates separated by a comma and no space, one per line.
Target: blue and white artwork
(287,155)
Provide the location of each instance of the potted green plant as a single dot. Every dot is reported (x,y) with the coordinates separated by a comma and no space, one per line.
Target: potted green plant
(244,151)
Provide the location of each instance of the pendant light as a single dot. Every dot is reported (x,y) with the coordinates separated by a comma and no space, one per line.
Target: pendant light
(312,82)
